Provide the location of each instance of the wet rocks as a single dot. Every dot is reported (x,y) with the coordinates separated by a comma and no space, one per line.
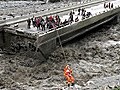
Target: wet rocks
(104,83)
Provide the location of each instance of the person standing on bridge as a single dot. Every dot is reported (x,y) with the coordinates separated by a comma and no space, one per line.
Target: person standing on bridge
(104,4)
(52,22)
(79,11)
(38,23)
(82,11)
(47,21)
(49,25)
(73,11)
(28,23)
(33,21)
(43,23)
(71,17)
(51,18)
(111,5)
(57,20)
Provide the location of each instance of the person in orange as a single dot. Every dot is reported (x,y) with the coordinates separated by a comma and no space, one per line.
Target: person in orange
(68,75)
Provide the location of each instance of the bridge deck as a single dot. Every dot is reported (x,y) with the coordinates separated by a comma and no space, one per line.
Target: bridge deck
(48,11)
(95,10)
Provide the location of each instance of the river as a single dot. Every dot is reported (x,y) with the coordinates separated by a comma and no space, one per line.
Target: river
(92,55)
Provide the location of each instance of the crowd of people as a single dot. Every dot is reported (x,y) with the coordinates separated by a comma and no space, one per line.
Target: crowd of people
(41,23)
(52,22)
(108,5)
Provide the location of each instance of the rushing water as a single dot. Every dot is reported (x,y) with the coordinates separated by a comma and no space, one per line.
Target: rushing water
(93,55)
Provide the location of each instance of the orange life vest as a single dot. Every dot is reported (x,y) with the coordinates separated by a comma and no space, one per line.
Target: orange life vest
(68,74)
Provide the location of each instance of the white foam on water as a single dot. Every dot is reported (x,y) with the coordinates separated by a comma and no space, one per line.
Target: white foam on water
(110,43)
(75,87)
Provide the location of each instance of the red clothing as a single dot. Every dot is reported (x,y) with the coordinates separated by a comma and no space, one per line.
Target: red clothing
(50,18)
(68,75)
(37,22)
(70,79)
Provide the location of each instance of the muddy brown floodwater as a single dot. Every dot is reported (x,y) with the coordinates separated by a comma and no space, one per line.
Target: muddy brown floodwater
(93,55)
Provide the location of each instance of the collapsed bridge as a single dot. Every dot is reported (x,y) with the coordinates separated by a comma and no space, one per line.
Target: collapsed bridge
(46,42)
